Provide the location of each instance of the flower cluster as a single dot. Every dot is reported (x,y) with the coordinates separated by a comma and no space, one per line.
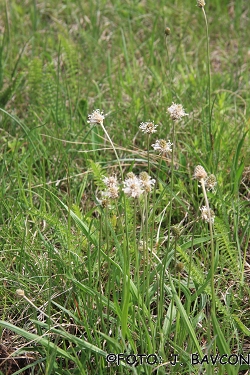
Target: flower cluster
(164,147)
(207,183)
(135,186)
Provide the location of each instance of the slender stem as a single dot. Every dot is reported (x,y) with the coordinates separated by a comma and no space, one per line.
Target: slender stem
(126,273)
(170,212)
(171,183)
(38,309)
(136,249)
(148,153)
(108,257)
(177,325)
(99,264)
(113,147)
(145,242)
(212,244)
(209,82)
(169,65)
(190,258)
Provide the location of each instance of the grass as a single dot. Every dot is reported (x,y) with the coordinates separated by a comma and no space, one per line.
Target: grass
(132,276)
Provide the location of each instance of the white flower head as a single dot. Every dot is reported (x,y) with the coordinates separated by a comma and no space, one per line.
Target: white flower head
(211,182)
(113,192)
(104,200)
(112,186)
(200,173)
(146,181)
(148,127)
(96,117)
(110,181)
(205,214)
(130,175)
(162,146)
(133,187)
(176,111)
(201,3)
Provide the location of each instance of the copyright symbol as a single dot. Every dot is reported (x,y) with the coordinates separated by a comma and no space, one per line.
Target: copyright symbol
(111,358)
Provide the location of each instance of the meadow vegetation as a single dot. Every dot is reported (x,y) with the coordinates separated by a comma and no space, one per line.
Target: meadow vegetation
(117,235)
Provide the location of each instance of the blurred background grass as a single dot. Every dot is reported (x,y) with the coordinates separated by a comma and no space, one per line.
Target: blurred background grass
(59,60)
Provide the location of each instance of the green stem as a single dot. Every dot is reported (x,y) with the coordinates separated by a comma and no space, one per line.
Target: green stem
(148,153)
(171,184)
(145,244)
(212,245)
(126,271)
(108,257)
(99,265)
(209,83)
(113,147)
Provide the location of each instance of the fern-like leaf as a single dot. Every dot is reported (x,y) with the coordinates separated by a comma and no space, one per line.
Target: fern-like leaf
(98,174)
(197,275)
(229,257)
